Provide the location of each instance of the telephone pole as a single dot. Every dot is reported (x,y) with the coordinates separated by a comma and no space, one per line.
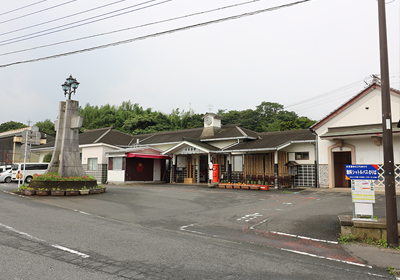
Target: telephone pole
(388,158)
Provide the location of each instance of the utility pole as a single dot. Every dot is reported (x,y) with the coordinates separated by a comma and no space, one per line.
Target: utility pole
(388,158)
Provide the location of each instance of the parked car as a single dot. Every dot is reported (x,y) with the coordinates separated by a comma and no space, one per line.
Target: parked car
(5,177)
(4,168)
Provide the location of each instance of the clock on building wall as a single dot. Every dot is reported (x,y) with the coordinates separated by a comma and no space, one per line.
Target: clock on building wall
(208,120)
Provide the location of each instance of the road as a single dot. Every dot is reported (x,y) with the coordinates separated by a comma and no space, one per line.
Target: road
(177,232)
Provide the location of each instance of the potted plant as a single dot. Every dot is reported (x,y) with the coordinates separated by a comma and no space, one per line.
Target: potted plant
(42,191)
(84,191)
(57,191)
(71,192)
(23,188)
(30,191)
(94,190)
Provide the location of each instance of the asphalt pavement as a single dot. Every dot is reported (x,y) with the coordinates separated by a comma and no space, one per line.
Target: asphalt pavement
(192,232)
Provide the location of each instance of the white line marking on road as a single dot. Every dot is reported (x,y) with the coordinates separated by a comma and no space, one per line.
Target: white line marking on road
(321,257)
(43,241)
(304,237)
(263,221)
(22,233)
(70,251)
(82,212)
(184,228)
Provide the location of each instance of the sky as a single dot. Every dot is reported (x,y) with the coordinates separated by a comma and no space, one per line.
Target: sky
(310,57)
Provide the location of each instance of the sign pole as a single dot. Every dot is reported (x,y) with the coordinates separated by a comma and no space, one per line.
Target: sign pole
(390,187)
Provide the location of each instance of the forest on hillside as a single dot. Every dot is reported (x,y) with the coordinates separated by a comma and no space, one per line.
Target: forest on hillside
(133,119)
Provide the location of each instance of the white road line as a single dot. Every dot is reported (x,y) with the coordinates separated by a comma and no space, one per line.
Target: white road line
(82,212)
(70,251)
(22,233)
(263,221)
(184,228)
(304,237)
(43,241)
(321,257)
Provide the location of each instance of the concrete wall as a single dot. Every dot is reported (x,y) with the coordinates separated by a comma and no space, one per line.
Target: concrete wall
(301,147)
(116,176)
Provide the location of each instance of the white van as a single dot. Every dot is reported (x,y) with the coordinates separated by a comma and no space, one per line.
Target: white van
(30,169)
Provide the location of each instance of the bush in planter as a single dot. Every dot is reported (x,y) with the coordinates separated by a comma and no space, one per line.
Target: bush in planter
(54,180)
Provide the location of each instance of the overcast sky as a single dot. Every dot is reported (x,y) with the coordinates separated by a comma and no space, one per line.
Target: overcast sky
(288,55)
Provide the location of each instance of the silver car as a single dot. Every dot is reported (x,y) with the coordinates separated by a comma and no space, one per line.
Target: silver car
(5,176)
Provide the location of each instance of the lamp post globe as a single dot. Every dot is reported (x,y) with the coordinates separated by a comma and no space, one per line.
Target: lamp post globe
(69,86)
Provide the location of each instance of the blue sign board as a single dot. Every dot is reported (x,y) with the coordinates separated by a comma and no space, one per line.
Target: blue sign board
(362,172)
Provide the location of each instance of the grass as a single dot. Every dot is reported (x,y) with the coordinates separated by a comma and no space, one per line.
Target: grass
(349,238)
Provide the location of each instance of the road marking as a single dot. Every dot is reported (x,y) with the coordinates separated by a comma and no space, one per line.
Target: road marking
(185,228)
(22,233)
(70,251)
(304,237)
(322,257)
(250,217)
(82,212)
(263,221)
(43,241)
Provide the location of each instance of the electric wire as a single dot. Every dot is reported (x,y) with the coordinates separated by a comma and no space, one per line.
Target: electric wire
(131,28)
(22,7)
(323,95)
(82,21)
(49,8)
(64,17)
(158,34)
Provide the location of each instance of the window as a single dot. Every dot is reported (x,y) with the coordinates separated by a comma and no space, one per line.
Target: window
(92,163)
(237,163)
(117,163)
(302,156)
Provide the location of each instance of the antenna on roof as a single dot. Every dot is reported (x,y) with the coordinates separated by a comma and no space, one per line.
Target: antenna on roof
(210,107)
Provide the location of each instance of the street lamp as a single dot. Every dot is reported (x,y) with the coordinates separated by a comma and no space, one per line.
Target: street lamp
(69,86)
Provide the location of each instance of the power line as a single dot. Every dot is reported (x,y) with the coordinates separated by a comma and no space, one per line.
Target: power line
(57,19)
(82,21)
(22,7)
(130,28)
(158,34)
(49,8)
(323,95)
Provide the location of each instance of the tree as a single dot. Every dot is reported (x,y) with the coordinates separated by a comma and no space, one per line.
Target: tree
(47,157)
(46,126)
(11,125)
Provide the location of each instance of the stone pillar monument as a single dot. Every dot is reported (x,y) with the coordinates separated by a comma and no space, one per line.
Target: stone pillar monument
(66,159)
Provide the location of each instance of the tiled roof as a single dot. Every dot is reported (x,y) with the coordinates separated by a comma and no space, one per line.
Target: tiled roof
(226,131)
(105,135)
(273,140)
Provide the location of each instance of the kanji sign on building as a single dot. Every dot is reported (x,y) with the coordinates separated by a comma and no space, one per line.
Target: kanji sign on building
(362,172)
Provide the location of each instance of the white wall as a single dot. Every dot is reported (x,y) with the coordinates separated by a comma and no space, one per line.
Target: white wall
(96,152)
(301,147)
(116,176)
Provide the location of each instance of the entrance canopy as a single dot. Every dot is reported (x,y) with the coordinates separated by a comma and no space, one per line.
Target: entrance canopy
(138,155)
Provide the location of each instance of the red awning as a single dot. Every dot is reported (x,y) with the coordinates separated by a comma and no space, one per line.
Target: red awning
(132,155)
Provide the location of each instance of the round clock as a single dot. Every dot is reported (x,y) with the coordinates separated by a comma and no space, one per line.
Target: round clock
(208,120)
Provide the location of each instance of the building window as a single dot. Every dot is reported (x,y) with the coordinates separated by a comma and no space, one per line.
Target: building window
(117,163)
(92,163)
(302,156)
(237,163)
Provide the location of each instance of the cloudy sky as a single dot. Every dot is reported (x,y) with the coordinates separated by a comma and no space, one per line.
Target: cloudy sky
(310,57)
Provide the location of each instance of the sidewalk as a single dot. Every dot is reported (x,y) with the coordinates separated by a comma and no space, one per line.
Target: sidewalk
(371,255)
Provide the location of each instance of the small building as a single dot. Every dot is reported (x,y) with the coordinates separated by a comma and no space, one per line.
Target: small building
(352,134)
(10,146)
(241,154)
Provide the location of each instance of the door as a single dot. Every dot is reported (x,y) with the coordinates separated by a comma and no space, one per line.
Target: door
(139,169)
(340,160)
